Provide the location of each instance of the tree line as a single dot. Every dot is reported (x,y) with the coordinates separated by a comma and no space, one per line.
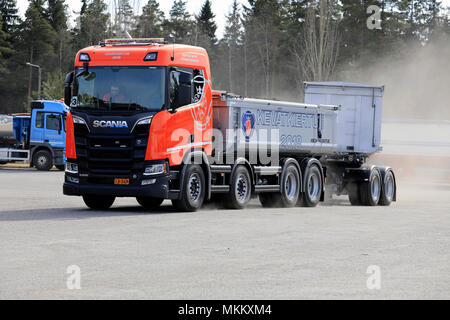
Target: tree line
(268,48)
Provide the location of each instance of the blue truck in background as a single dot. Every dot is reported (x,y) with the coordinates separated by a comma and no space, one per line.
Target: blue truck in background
(38,137)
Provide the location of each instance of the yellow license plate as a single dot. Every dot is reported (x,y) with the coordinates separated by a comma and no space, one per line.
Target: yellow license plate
(122,181)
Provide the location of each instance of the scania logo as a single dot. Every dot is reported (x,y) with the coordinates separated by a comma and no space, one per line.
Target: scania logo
(110,124)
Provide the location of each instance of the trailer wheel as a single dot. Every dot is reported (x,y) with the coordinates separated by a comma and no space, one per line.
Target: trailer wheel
(99,202)
(149,202)
(354,194)
(290,187)
(193,193)
(42,160)
(240,189)
(370,191)
(388,190)
(313,187)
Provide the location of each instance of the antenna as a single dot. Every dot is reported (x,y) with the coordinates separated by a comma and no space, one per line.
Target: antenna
(173,50)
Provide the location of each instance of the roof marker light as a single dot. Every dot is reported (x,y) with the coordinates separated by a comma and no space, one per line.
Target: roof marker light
(151,56)
(84,57)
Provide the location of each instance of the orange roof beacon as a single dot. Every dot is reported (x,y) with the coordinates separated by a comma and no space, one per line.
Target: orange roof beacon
(145,123)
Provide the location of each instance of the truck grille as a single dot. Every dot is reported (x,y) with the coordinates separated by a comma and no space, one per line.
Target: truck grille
(103,158)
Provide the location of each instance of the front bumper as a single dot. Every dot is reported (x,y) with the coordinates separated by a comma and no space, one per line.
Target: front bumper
(160,189)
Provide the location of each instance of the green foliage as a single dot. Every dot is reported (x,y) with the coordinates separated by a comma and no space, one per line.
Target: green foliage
(149,24)
(53,87)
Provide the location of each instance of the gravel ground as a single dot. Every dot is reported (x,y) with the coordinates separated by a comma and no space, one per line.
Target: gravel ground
(299,253)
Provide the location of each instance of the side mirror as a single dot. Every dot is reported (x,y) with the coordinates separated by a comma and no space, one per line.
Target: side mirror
(68,88)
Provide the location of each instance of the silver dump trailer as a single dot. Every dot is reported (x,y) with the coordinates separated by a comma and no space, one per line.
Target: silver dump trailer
(6,130)
(330,137)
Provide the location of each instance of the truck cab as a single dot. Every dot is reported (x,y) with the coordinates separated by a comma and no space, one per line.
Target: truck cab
(47,137)
(38,137)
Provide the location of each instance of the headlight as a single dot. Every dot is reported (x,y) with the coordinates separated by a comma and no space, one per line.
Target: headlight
(71,168)
(78,120)
(155,169)
(145,121)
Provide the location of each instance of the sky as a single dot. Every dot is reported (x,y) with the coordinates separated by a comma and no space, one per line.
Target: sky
(220,8)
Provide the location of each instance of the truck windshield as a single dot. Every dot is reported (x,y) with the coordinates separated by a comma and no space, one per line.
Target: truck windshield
(120,88)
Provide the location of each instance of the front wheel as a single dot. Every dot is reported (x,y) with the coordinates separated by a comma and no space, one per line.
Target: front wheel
(99,202)
(150,203)
(194,190)
(42,160)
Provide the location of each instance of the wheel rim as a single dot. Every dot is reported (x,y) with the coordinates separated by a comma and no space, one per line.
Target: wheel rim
(291,186)
(375,187)
(389,186)
(42,160)
(313,186)
(241,188)
(195,187)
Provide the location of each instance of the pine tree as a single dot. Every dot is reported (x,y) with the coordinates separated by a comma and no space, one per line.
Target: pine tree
(38,36)
(206,24)
(94,19)
(10,18)
(124,18)
(150,22)
(233,40)
(178,27)
(5,49)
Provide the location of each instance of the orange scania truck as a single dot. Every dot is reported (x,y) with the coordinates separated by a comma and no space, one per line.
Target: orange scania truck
(145,123)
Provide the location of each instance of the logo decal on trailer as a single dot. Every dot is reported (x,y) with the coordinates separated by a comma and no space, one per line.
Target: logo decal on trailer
(248,124)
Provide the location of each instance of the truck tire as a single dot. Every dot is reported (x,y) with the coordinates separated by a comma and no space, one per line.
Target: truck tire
(99,202)
(354,194)
(290,186)
(370,191)
(240,189)
(194,190)
(388,189)
(313,187)
(149,202)
(42,160)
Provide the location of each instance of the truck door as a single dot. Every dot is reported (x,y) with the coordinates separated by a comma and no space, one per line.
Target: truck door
(54,131)
(37,130)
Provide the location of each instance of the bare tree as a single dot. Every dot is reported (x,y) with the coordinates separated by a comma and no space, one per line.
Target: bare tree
(317,48)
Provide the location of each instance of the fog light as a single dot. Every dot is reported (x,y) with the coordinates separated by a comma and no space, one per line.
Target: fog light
(148,182)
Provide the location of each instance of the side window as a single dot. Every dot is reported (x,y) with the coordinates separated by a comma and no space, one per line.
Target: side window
(174,82)
(53,122)
(199,85)
(40,120)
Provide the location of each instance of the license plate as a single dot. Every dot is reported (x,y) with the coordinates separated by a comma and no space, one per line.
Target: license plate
(122,181)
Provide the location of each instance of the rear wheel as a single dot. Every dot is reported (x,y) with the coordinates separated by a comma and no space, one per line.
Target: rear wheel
(99,202)
(290,186)
(193,193)
(240,189)
(370,191)
(42,160)
(388,190)
(150,203)
(313,187)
